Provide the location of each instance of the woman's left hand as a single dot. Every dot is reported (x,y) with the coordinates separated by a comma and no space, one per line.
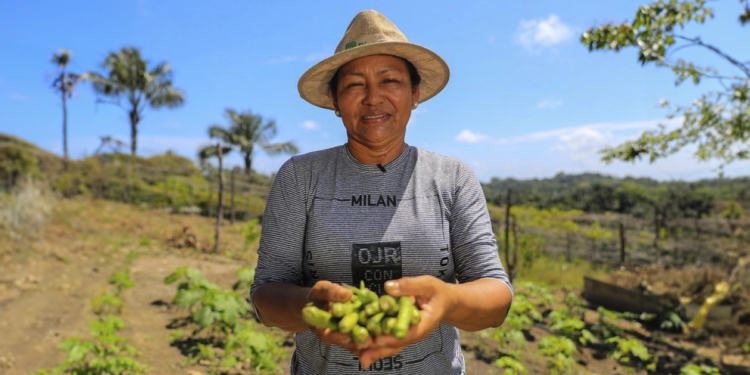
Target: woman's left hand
(434,299)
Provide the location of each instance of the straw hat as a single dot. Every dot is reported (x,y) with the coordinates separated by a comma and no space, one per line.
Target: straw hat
(370,33)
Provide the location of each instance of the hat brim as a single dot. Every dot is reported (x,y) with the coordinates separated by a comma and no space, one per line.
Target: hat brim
(434,72)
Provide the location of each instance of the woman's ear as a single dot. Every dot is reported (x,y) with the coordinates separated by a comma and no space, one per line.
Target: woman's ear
(415,95)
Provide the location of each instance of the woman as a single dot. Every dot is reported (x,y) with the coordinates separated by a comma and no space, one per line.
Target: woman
(403,220)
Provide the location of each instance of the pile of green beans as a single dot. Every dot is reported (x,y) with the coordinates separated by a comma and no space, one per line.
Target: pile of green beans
(365,315)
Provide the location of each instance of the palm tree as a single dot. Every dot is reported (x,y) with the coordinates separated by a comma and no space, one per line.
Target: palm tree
(245,132)
(64,84)
(219,151)
(129,78)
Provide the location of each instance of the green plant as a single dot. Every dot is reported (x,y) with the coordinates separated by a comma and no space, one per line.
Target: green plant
(105,354)
(245,276)
(606,326)
(121,281)
(694,369)
(511,366)
(561,322)
(251,233)
(629,349)
(559,352)
(673,322)
(209,304)
(201,352)
(107,304)
(245,345)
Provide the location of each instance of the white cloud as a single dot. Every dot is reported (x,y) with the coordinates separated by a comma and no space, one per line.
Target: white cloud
(310,125)
(316,56)
(583,144)
(17,96)
(470,137)
(549,103)
(535,34)
(282,60)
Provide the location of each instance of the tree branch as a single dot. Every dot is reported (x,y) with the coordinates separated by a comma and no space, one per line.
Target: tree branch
(731,60)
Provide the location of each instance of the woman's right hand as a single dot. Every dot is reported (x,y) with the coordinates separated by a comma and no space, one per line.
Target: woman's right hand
(322,295)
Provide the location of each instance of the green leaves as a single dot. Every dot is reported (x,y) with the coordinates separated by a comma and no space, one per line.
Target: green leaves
(234,343)
(719,122)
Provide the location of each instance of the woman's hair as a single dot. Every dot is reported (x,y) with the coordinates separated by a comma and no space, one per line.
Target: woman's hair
(413,75)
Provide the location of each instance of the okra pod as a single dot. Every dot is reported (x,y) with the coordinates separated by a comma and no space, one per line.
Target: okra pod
(389,305)
(372,308)
(416,316)
(339,309)
(373,324)
(401,329)
(348,322)
(387,325)
(318,318)
(360,334)
(362,317)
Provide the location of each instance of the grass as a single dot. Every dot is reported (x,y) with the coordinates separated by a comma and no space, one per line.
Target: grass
(89,226)
(557,273)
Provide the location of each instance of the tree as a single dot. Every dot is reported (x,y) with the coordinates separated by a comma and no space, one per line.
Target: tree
(64,84)
(247,131)
(219,151)
(129,78)
(719,121)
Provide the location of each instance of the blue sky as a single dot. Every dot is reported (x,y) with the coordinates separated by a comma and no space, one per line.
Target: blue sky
(526,99)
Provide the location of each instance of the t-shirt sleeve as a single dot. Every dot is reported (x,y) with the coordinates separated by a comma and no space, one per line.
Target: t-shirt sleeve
(474,246)
(282,235)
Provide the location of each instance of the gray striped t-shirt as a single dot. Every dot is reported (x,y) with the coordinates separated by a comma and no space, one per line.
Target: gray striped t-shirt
(330,217)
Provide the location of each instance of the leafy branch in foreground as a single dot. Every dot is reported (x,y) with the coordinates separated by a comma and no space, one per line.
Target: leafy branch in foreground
(718,122)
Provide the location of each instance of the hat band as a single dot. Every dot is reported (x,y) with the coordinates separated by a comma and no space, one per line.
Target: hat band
(367,39)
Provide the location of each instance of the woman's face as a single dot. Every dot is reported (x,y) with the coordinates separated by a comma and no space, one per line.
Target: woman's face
(375,98)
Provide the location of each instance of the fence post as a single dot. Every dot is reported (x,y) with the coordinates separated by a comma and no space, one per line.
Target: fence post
(622,245)
(220,209)
(507,230)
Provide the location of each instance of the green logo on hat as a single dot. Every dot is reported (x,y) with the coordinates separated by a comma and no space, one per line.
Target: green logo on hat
(350,45)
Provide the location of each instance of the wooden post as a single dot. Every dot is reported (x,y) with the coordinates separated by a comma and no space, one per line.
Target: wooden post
(507,228)
(192,192)
(210,194)
(220,210)
(126,190)
(622,245)
(167,198)
(512,269)
(231,215)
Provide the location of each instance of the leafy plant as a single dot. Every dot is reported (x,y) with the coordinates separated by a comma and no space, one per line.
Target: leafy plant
(673,322)
(561,322)
(105,354)
(511,366)
(107,304)
(251,232)
(245,276)
(121,281)
(245,345)
(210,305)
(606,326)
(559,352)
(629,349)
(694,369)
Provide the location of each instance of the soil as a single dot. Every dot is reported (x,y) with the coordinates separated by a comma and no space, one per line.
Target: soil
(46,287)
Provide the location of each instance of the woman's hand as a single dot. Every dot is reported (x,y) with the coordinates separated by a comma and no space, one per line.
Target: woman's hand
(432,296)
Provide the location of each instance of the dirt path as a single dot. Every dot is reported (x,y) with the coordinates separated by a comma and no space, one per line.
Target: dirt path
(42,303)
